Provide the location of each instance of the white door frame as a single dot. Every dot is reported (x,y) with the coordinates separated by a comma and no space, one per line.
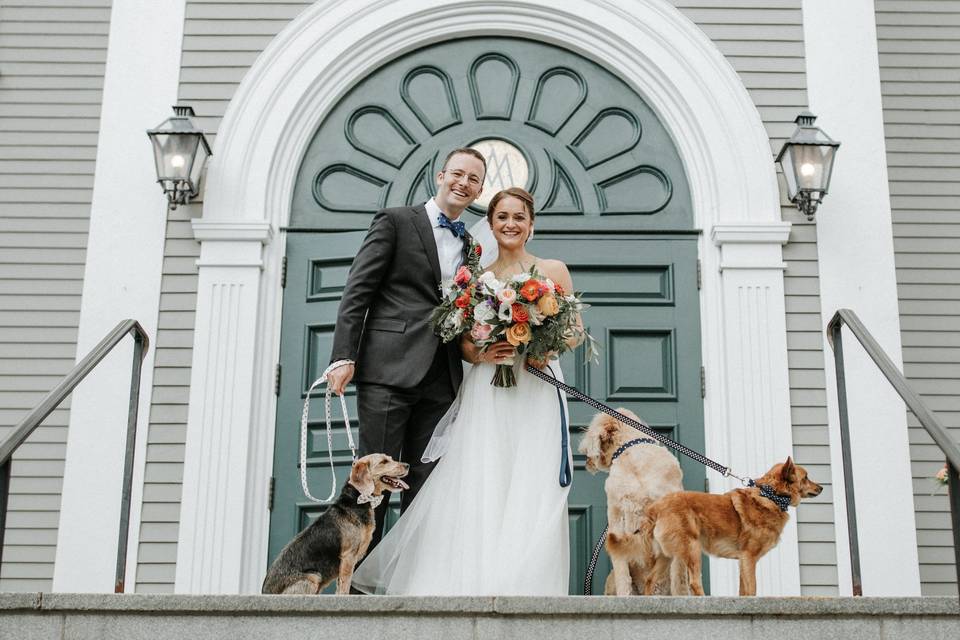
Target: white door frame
(277,109)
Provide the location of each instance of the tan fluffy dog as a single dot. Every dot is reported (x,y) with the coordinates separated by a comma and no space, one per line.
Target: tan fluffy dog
(741,524)
(642,474)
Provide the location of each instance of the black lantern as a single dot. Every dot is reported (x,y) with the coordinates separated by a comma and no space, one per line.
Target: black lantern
(807,162)
(180,151)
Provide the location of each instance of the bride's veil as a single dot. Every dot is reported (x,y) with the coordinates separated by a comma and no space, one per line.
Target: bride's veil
(480,230)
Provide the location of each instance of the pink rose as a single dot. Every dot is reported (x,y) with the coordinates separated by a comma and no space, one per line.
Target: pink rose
(463,276)
(481,331)
(507,295)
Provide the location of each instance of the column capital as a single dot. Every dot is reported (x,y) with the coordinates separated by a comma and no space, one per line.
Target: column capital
(751,233)
(226,231)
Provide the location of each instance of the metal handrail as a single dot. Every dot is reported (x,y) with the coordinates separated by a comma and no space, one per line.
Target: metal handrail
(141,343)
(927,420)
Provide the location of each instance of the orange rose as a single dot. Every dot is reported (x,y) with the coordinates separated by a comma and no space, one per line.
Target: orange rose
(519,334)
(530,290)
(548,305)
(520,313)
(463,301)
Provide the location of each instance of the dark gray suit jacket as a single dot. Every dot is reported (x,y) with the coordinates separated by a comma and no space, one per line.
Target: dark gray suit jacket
(383,323)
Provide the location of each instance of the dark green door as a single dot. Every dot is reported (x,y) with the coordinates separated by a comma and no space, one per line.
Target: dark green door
(612,202)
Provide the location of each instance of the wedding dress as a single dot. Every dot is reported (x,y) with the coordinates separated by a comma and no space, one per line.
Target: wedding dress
(492,517)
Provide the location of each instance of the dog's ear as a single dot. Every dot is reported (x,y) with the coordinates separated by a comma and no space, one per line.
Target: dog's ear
(789,471)
(361,478)
(609,433)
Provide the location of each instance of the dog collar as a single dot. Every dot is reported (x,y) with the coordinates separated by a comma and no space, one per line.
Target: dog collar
(781,500)
(627,445)
(374,501)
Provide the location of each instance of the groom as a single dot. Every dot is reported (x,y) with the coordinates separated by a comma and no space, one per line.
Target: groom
(406,378)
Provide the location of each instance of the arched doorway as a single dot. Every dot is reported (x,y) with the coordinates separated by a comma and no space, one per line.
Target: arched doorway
(278,108)
(613,202)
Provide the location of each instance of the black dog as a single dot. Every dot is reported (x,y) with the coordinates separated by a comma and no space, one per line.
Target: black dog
(336,541)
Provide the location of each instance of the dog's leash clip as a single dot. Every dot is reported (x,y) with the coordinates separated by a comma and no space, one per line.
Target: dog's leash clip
(303,436)
(747,482)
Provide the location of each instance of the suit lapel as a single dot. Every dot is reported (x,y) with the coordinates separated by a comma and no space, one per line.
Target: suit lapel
(425,231)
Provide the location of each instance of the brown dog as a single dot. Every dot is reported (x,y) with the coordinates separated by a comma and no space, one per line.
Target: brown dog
(641,474)
(335,542)
(743,524)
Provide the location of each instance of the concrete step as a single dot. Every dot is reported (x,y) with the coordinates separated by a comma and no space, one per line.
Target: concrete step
(42,616)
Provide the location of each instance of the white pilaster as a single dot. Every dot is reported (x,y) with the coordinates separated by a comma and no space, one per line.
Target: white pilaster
(121,280)
(855,243)
(755,385)
(216,467)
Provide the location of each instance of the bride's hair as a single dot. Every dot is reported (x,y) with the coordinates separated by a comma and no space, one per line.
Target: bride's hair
(513,192)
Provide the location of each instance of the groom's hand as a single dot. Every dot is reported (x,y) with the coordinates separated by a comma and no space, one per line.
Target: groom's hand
(339,378)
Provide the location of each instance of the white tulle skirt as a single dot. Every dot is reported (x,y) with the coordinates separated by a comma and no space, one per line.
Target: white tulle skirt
(492,517)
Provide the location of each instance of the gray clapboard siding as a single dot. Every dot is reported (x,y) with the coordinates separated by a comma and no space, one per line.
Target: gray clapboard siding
(52,56)
(919,45)
(762,40)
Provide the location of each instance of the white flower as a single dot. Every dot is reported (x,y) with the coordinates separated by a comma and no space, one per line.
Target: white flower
(454,321)
(506,312)
(536,317)
(488,279)
(520,277)
(507,295)
(484,313)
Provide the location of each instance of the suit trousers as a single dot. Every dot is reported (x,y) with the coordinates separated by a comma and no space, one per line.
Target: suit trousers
(400,421)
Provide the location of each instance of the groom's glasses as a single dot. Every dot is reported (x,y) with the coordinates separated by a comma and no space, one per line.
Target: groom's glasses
(473,178)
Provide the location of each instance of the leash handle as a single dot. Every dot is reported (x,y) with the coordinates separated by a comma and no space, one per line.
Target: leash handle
(566,475)
(304,418)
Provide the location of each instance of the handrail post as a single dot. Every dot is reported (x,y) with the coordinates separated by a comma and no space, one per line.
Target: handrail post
(4,500)
(127,487)
(852,536)
(953,494)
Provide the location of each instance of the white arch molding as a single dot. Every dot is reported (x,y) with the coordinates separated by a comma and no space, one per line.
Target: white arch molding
(262,138)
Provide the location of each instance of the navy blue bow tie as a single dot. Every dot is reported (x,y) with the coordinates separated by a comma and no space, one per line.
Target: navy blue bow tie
(456,227)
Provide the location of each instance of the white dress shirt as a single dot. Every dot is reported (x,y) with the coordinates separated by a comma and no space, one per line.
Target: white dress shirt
(449,246)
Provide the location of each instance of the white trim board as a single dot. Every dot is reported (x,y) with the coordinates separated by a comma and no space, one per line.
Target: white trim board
(279,105)
(843,80)
(121,280)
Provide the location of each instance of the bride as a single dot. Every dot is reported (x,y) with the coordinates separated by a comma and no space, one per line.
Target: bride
(492,517)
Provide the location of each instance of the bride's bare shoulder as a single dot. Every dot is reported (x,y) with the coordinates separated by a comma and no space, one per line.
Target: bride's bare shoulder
(556,270)
(550,267)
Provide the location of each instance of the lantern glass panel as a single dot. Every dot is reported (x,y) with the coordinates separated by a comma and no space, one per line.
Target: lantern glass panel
(199,161)
(808,163)
(789,174)
(828,155)
(175,154)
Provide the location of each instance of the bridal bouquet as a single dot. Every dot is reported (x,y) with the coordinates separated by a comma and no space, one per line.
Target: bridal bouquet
(529,311)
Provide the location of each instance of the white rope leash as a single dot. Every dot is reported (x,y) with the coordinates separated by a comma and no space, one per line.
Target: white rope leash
(303,435)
